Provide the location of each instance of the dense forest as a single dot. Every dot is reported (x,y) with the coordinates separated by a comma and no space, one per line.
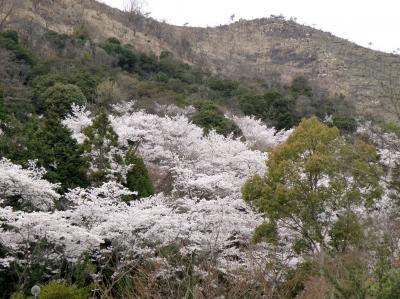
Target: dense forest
(127,174)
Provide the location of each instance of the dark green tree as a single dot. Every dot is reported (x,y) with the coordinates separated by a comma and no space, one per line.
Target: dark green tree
(59,98)
(272,107)
(100,142)
(138,179)
(210,117)
(59,153)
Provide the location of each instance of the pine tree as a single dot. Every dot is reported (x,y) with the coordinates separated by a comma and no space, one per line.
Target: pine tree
(137,179)
(100,143)
(59,153)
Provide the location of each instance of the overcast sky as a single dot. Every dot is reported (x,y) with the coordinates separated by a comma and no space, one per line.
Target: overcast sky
(361,21)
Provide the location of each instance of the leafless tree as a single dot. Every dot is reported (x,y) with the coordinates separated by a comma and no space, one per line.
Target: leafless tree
(135,6)
(7,8)
(135,10)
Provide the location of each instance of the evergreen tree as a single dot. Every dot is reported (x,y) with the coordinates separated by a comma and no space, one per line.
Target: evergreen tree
(59,153)
(137,179)
(59,98)
(100,147)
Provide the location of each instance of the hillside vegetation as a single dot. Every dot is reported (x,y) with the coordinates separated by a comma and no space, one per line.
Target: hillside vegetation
(270,49)
(143,160)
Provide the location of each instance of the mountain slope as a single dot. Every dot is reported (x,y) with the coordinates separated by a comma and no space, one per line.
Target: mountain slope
(268,49)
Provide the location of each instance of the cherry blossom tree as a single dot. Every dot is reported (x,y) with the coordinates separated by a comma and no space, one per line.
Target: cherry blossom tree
(25,187)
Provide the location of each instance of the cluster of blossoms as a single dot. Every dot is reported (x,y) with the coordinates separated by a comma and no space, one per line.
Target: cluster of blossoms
(204,211)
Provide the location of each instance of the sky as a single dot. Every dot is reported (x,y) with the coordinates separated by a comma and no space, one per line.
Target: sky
(370,23)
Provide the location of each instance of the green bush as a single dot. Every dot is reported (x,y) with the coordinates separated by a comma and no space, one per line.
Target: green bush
(81,33)
(59,98)
(9,41)
(81,78)
(113,40)
(18,295)
(127,57)
(209,117)
(57,39)
(52,145)
(392,127)
(12,35)
(59,290)
(225,87)
(161,77)
(271,107)
(301,86)
(390,287)
(138,179)
(344,123)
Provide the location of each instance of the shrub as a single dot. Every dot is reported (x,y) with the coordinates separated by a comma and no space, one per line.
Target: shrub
(137,179)
(209,117)
(12,35)
(59,98)
(392,127)
(225,87)
(18,295)
(9,41)
(81,33)
(113,40)
(59,40)
(301,86)
(271,107)
(390,285)
(127,58)
(161,77)
(344,123)
(59,290)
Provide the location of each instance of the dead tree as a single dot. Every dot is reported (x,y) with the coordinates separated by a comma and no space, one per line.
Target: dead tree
(135,10)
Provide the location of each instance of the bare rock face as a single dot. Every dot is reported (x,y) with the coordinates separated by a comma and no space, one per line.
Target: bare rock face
(258,49)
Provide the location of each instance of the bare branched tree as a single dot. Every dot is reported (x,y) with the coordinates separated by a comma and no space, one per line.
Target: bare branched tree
(135,6)
(7,8)
(135,10)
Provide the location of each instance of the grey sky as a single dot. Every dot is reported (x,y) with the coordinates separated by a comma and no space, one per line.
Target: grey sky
(361,21)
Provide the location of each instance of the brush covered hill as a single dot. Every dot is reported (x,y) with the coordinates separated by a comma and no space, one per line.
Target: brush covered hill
(265,49)
(136,163)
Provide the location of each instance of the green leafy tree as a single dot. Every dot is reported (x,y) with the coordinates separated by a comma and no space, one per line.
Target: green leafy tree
(313,182)
(210,117)
(138,179)
(59,98)
(272,107)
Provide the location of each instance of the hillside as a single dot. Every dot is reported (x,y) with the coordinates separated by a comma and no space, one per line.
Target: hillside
(266,49)
(144,160)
